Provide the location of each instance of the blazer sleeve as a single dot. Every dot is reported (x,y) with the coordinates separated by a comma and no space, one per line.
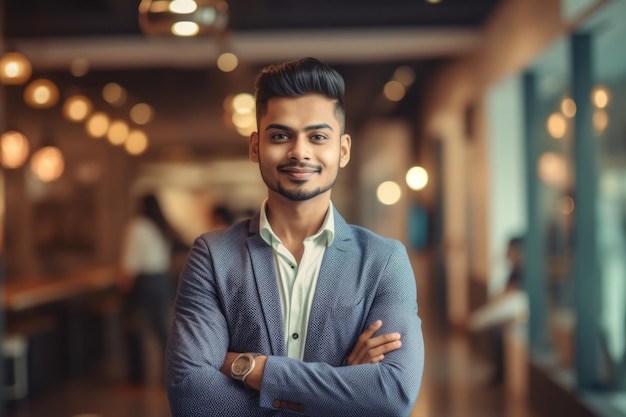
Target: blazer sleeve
(388,388)
(197,346)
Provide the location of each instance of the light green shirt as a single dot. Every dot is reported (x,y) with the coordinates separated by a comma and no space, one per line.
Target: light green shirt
(296,283)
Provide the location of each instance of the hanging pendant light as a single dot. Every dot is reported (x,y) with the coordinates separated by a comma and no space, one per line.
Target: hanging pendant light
(184,18)
(15,68)
(41,93)
(47,163)
(14,148)
(77,108)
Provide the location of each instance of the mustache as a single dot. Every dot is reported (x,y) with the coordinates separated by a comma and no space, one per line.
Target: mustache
(299,165)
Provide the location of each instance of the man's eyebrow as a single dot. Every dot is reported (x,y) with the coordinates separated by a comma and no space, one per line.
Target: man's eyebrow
(278,127)
(306,129)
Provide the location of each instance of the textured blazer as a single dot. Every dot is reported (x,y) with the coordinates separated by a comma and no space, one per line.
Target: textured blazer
(228,300)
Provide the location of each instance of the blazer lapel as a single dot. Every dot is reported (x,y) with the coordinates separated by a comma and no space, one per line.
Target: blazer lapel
(336,264)
(262,260)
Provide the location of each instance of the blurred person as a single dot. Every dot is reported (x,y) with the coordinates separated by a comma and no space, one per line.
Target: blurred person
(221,216)
(503,308)
(294,310)
(146,282)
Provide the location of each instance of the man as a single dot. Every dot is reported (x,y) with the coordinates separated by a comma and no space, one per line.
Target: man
(279,315)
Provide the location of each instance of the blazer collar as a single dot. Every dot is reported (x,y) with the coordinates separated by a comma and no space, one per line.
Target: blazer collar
(343,232)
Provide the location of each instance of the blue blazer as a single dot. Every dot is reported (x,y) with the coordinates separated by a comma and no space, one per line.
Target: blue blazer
(228,300)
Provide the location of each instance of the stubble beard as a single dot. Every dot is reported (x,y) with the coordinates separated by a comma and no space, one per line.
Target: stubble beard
(299,193)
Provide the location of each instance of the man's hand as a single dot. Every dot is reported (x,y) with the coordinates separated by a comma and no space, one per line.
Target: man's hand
(255,377)
(228,361)
(370,349)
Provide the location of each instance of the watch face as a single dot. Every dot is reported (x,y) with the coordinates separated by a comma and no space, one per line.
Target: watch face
(241,365)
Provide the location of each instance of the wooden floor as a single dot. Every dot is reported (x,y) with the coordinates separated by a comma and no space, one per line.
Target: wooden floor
(454,384)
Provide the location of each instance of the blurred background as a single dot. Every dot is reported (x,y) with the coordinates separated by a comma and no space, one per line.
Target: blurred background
(473,121)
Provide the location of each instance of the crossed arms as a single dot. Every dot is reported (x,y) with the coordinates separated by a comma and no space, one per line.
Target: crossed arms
(375,376)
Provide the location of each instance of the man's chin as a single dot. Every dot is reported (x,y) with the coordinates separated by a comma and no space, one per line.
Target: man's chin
(300,195)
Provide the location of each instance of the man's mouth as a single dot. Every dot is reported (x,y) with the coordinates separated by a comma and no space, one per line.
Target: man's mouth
(299,171)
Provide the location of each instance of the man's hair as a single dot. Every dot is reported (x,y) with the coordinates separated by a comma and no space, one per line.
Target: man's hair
(296,79)
(517,241)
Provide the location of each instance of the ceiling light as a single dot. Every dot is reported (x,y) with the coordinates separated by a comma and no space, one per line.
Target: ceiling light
(14,148)
(114,94)
(600,96)
(183,17)
(14,68)
(389,193)
(185,28)
(227,62)
(118,132)
(556,125)
(141,113)
(600,120)
(394,90)
(77,108)
(183,6)
(97,125)
(41,94)
(404,75)
(416,178)
(243,103)
(552,169)
(47,163)
(568,107)
(136,142)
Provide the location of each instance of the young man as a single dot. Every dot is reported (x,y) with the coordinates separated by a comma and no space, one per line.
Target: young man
(295,312)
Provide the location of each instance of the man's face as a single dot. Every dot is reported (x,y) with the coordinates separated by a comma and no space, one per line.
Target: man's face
(299,146)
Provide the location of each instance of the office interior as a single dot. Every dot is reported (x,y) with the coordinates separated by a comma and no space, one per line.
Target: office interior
(513,120)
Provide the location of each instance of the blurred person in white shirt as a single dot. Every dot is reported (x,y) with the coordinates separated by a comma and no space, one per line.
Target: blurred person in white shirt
(146,282)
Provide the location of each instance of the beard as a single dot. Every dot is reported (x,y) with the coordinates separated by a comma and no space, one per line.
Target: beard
(299,193)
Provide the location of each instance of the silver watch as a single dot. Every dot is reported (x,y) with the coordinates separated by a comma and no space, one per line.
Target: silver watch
(242,366)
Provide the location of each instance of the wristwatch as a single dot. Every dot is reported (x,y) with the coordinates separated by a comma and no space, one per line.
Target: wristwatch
(242,366)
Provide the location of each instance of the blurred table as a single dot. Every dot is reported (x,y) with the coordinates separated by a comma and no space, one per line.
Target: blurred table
(31,292)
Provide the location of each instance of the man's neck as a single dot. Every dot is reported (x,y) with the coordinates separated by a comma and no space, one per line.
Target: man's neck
(293,221)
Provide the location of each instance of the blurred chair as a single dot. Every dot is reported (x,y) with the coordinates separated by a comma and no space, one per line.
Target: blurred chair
(15,350)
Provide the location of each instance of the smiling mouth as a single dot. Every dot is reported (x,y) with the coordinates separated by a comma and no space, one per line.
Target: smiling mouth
(299,171)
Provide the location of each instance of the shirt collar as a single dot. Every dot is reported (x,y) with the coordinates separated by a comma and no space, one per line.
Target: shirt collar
(327,231)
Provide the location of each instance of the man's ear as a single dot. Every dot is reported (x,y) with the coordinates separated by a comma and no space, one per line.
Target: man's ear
(253,147)
(346,143)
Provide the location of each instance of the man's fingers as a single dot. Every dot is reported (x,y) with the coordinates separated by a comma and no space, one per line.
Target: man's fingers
(383,349)
(372,349)
(369,332)
(361,347)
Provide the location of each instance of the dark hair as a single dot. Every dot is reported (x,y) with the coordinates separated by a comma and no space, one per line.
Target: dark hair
(151,208)
(298,78)
(517,241)
(225,214)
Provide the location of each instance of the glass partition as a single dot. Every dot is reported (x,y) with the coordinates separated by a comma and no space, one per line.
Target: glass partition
(608,105)
(552,171)
(575,100)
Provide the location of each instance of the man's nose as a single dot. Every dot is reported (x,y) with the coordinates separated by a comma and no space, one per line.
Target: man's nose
(300,149)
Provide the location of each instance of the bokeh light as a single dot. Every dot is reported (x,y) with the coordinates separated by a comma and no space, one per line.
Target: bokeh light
(389,193)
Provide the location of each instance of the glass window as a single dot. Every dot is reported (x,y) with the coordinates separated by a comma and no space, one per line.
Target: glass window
(608,99)
(552,130)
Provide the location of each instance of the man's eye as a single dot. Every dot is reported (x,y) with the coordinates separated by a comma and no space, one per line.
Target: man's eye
(318,137)
(279,136)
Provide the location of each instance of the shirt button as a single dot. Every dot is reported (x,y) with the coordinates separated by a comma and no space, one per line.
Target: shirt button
(295,336)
